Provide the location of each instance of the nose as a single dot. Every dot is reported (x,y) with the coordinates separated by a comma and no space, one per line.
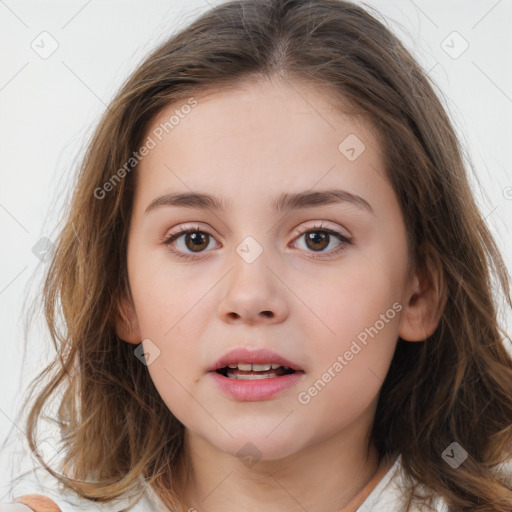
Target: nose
(253,294)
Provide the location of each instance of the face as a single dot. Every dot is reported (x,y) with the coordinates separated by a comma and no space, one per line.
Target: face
(321,282)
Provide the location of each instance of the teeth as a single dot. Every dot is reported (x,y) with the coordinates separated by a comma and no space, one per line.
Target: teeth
(247,367)
(254,376)
(260,367)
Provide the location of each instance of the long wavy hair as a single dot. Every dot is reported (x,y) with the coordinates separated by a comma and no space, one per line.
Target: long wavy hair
(117,434)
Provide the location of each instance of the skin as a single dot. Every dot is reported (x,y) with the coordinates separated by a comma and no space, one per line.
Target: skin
(246,146)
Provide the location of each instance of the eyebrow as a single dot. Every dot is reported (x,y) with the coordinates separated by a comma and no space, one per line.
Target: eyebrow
(283,202)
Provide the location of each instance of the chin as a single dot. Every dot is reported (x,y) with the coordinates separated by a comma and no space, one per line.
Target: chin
(258,446)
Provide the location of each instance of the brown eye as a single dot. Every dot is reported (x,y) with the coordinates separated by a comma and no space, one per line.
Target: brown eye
(317,240)
(186,242)
(196,240)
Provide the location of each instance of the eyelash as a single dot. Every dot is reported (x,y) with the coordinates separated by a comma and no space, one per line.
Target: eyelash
(186,257)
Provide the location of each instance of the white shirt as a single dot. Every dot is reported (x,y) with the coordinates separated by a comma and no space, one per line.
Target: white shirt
(386,496)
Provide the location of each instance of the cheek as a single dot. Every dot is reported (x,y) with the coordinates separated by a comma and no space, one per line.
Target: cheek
(349,368)
(171,311)
(355,340)
(345,300)
(166,295)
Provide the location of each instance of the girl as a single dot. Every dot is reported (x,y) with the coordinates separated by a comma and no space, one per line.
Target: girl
(276,285)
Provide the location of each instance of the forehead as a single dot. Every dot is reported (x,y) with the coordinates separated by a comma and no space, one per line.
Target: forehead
(245,108)
(260,135)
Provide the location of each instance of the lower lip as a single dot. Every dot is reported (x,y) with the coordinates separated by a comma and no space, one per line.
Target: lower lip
(255,390)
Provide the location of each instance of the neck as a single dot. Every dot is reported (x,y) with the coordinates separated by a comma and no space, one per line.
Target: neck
(323,477)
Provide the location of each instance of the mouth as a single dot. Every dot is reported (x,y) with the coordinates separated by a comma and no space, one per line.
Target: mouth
(244,364)
(249,376)
(249,371)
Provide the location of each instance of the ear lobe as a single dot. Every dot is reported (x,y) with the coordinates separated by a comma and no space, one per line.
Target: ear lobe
(425,303)
(126,322)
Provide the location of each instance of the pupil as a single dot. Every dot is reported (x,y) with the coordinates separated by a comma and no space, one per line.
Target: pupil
(317,237)
(198,240)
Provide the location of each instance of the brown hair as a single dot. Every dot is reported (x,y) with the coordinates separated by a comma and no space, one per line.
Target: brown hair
(454,387)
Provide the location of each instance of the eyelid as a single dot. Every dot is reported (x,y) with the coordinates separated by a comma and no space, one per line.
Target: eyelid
(321,225)
(182,230)
(296,232)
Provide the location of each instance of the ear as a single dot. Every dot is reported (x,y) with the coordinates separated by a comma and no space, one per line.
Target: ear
(126,322)
(424,301)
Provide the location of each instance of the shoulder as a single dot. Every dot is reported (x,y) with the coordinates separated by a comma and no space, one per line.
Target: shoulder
(42,493)
(52,501)
(388,495)
(14,507)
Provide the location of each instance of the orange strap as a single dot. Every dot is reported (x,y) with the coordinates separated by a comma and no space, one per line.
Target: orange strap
(38,503)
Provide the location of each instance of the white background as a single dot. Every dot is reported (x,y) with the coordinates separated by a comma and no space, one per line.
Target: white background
(48,107)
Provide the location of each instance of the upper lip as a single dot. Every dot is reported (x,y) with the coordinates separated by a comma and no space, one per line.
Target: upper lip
(259,356)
